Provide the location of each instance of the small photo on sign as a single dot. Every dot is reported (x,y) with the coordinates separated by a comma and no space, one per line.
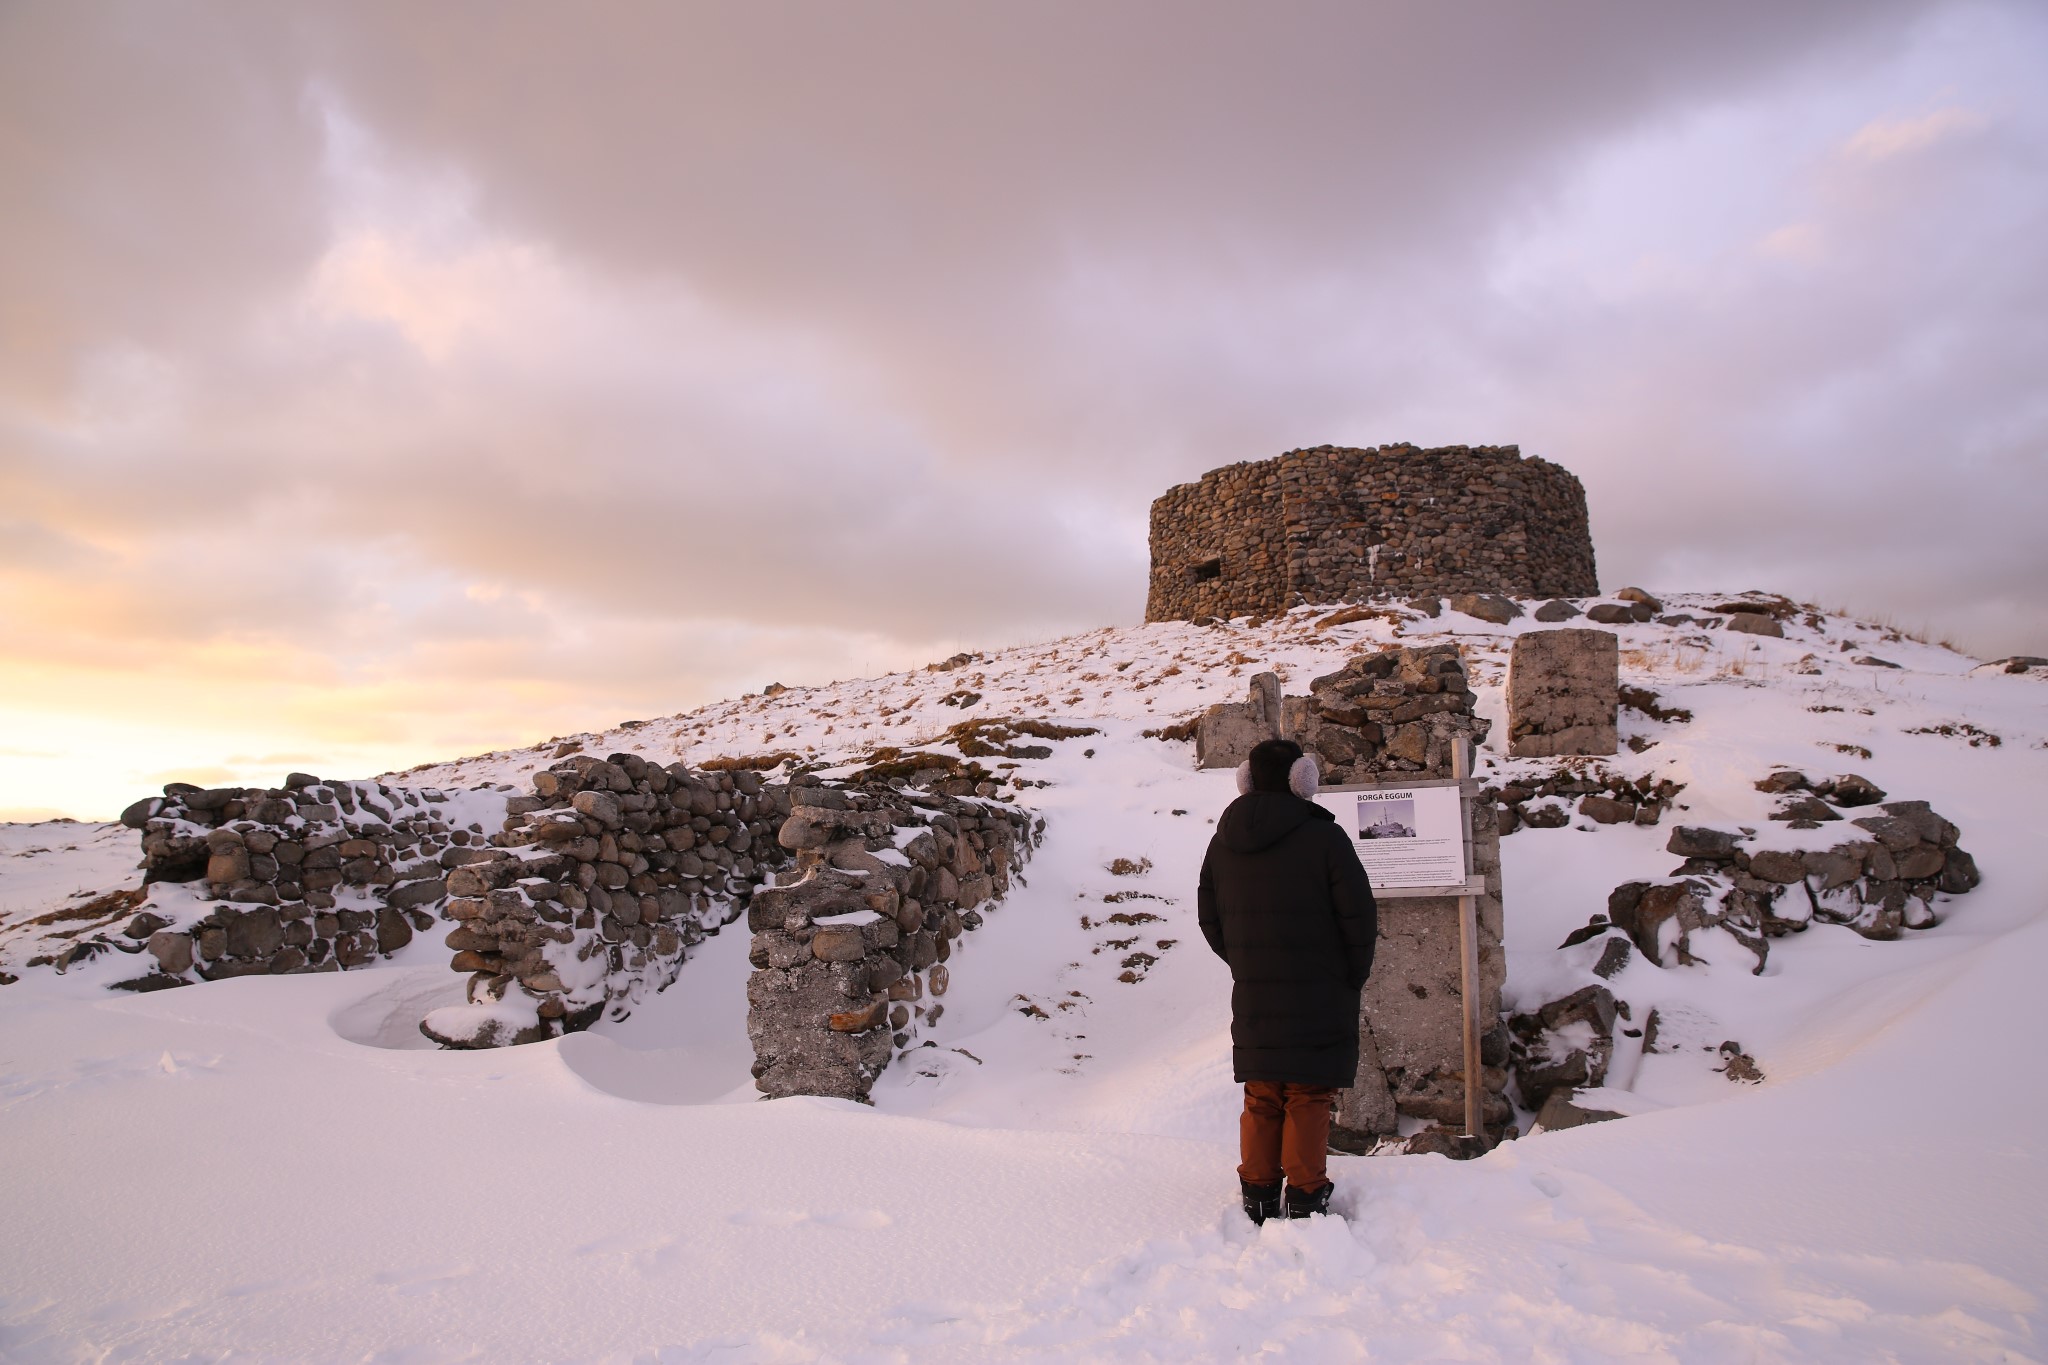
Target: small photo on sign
(1386,817)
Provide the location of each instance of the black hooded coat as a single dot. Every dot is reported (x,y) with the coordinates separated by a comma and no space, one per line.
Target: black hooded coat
(1285,902)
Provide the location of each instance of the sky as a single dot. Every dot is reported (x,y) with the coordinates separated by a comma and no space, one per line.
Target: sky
(384,382)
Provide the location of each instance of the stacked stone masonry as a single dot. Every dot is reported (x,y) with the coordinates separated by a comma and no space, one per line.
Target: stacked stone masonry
(1390,714)
(597,886)
(590,896)
(603,880)
(1411,1061)
(308,877)
(1332,524)
(851,947)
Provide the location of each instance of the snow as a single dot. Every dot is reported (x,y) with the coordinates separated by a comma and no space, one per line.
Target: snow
(280,1168)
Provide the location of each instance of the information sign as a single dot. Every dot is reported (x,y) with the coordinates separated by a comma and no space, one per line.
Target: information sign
(1405,835)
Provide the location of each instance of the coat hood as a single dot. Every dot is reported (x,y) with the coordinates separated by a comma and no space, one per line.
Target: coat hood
(1259,820)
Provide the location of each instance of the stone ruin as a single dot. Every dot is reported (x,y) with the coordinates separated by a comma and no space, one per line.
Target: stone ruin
(591,894)
(589,897)
(312,876)
(1332,524)
(851,950)
(1390,715)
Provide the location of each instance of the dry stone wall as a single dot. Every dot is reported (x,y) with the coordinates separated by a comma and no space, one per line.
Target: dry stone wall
(851,947)
(1334,523)
(591,894)
(310,876)
(590,897)
(1387,715)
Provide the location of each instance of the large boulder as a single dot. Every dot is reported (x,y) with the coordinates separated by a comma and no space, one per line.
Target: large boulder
(1755,623)
(1699,841)
(1486,607)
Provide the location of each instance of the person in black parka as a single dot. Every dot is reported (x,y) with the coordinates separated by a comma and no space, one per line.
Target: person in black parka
(1285,902)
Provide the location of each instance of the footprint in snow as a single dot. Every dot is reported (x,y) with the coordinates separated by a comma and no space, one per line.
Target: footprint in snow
(425,1279)
(856,1220)
(647,1253)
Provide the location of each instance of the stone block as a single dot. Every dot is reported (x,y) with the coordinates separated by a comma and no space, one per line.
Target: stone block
(1564,693)
(1225,735)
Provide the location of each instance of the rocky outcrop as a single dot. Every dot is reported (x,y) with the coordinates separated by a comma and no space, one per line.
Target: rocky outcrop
(1549,800)
(1878,886)
(1724,894)
(1566,1046)
(2024,665)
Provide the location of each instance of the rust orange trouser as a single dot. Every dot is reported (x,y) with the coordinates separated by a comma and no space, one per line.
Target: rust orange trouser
(1285,1129)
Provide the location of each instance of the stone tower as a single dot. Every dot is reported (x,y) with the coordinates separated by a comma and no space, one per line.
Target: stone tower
(1333,523)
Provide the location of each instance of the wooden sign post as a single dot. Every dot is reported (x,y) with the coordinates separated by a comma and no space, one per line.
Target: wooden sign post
(1468,955)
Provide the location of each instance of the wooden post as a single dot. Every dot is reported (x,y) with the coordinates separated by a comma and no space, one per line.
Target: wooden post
(1468,954)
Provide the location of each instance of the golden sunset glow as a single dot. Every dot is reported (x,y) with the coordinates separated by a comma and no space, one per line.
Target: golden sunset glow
(366,398)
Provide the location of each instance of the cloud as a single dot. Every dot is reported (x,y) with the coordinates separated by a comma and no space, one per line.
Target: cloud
(384,390)
(1882,139)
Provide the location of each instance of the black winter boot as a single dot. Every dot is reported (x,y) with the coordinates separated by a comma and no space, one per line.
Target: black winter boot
(1304,1203)
(1260,1201)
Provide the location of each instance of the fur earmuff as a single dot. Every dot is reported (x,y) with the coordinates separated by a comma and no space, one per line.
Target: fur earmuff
(1302,778)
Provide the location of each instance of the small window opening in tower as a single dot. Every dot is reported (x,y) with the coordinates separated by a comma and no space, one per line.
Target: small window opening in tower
(1205,571)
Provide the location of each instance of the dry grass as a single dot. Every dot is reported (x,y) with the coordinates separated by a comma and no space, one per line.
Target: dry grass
(1348,615)
(1673,657)
(1893,631)
(754,763)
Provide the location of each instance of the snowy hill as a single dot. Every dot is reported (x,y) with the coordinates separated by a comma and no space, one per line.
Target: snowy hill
(279,1167)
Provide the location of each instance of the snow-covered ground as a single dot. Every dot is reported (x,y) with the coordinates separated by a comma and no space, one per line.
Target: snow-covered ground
(277,1168)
